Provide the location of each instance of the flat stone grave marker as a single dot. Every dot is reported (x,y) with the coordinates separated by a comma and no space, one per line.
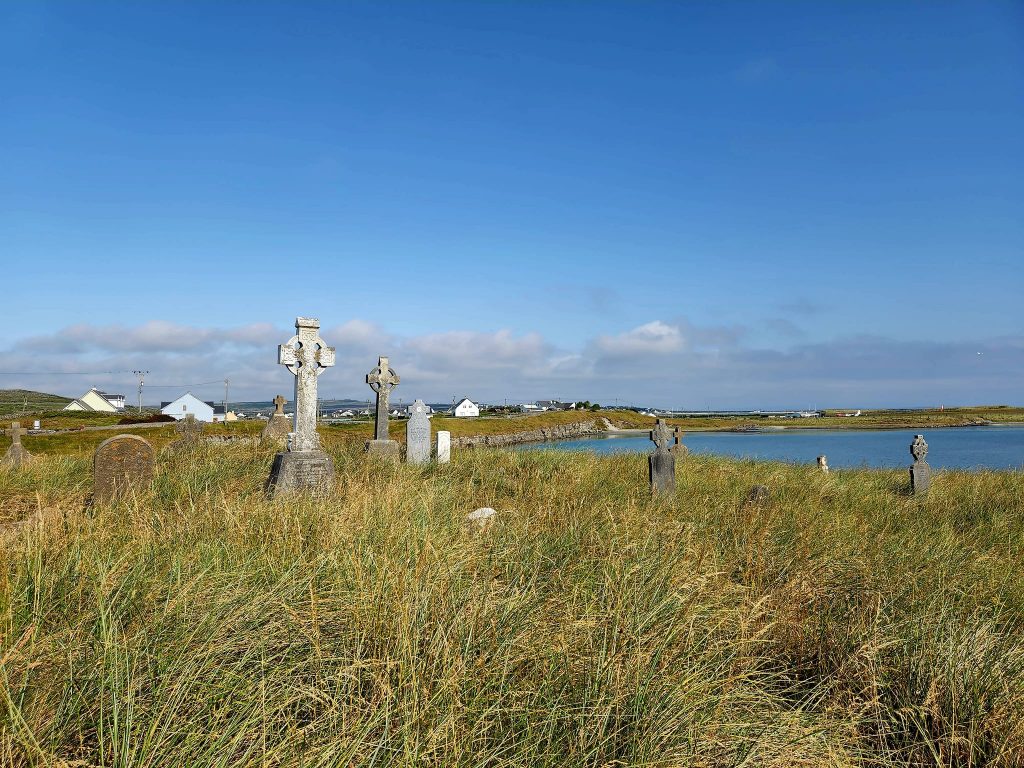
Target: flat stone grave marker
(122,466)
(444,447)
(278,426)
(920,472)
(662,463)
(17,454)
(303,466)
(382,380)
(417,434)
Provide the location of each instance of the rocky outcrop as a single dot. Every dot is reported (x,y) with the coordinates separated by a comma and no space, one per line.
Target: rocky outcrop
(577,429)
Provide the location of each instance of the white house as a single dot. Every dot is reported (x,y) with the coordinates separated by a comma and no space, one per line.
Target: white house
(94,400)
(189,403)
(466,408)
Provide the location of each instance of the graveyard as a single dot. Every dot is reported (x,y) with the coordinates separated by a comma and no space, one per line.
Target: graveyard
(291,593)
(512,385)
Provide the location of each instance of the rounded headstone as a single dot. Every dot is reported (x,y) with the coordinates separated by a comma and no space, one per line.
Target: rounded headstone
(122,465)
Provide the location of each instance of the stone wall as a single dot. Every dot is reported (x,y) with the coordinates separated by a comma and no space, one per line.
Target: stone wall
(577,429)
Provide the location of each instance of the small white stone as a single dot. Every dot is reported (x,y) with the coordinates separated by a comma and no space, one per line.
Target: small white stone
(481,516)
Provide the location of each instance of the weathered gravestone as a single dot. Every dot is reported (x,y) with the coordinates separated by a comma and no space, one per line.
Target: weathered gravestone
(677,446)
(444,447)
(823,463)
(278,426)
(662,463)
(920,472)
(122,466)
(417,434)
(304,466)
(17,454)
(189,431)
(382,380)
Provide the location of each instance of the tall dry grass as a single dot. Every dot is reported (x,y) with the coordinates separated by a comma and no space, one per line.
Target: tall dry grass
(841,623)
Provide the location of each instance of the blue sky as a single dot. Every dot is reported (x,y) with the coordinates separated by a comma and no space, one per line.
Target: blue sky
(724,204)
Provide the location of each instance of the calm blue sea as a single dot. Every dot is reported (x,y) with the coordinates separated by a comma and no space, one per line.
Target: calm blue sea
(953,448)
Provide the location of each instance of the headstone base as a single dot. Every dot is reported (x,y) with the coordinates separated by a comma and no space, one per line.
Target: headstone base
(311,471)
(16,456)
(920,477)
(388,449)
(277,428)
(663,473)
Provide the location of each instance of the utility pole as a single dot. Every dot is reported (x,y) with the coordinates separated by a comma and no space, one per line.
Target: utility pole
(226,383)
(142,380)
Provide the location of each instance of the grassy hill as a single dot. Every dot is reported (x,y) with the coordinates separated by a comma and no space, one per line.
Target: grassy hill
(15,402)
(840,623)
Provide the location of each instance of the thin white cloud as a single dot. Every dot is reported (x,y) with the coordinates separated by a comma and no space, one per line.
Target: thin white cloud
(661,362)
(153,336)
(653,338)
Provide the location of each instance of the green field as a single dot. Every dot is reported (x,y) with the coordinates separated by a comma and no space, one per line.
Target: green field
(842,623)
(16,402)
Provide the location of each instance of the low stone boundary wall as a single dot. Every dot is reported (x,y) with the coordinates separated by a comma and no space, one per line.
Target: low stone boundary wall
(578,429)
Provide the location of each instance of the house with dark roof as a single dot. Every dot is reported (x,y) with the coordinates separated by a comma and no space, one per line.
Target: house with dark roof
(94,400)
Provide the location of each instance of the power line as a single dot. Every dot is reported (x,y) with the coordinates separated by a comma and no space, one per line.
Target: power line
(194,384)
(59,373)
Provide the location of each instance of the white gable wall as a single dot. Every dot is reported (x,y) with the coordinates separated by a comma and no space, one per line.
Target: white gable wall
(186,404)
(97,402)
(466,408)
(91,401)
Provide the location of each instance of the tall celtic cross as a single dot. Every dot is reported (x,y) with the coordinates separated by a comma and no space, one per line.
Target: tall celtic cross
(382,380)
(306,356)
(16,433)
(919,448)
(279,402)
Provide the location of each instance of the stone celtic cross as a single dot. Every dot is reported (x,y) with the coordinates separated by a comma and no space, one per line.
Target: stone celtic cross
(306,356)
(279,402)
(919,448)
(920,472)
(16,433)
(661,435)
(382,380)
